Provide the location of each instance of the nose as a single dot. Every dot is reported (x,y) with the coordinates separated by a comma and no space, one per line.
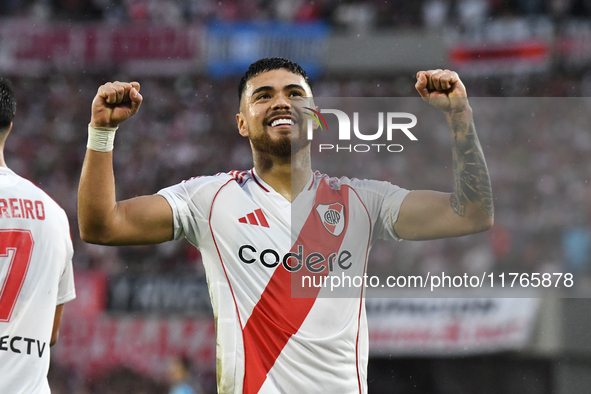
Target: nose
(282,102)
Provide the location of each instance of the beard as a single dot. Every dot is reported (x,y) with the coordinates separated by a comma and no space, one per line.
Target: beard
(282,147)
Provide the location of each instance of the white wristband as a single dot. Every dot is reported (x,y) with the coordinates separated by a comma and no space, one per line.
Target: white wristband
(101,138)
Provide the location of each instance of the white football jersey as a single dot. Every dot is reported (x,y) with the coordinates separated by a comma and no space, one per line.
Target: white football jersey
(257,247)
(35,276)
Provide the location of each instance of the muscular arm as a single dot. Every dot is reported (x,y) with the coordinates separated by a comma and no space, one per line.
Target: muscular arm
(469,209)
(103,220)
(471,179)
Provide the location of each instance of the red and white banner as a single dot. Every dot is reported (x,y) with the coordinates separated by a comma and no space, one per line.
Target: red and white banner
(94,342)
(91,295)
(459,326)
(146,345)
(501,57)
(32,49)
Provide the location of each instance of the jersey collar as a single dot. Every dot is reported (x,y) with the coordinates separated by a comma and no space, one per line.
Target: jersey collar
(259,181)
(266,187)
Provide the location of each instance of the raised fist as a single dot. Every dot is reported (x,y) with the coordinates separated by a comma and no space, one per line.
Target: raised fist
(115,102)
(443,89)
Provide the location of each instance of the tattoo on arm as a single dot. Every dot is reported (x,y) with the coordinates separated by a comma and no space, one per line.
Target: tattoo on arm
(471,179)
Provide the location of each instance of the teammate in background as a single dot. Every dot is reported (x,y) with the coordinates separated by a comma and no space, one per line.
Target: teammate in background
(179,374)
(253,241)
(36,277)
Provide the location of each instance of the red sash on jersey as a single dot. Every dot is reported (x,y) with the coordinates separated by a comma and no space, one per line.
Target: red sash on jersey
(277,316)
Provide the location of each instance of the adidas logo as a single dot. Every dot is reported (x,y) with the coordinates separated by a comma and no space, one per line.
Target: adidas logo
(252,217)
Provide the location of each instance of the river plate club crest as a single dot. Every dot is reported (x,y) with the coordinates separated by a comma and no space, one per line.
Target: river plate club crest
(332,217)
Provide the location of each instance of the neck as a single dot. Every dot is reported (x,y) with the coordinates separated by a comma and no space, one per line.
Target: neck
(3,135)
(2,162)
(287,176)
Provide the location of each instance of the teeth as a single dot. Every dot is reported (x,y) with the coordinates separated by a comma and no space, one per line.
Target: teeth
(277,122)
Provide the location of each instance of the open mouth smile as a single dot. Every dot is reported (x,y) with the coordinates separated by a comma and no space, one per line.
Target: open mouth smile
(282,121)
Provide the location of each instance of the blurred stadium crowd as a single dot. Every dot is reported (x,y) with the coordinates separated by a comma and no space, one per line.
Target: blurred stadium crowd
(186,127)
(368,14)
(539,164)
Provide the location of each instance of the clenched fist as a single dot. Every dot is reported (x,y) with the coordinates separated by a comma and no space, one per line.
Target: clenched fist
(115,102)
(443,89)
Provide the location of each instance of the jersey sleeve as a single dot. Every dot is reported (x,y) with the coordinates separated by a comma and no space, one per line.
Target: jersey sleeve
(177,197)
(191,202)
(66,290)
(383,201)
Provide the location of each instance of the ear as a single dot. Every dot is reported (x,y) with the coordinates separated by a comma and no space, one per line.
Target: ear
(241,123)
(316,125)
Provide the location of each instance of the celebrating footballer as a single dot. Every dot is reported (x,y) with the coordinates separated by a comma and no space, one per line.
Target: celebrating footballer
(255,227)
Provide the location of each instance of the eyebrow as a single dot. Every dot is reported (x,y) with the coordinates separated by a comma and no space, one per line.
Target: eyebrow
(265,88)
(294,86)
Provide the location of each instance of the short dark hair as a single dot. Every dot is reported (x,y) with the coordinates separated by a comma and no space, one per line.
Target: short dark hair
(7,103)
(268,64)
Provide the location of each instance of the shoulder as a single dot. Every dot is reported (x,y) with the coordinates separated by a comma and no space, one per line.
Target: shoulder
(219,179)
(368,185)
(30,201)
(208,184)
